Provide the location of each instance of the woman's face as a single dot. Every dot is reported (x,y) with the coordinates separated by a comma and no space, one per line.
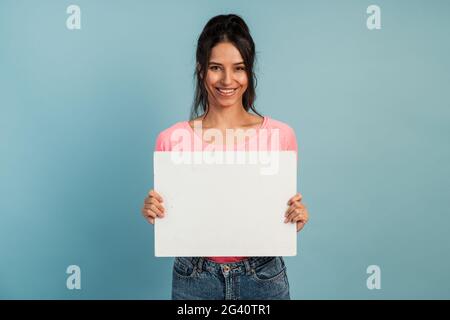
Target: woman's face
(226,78)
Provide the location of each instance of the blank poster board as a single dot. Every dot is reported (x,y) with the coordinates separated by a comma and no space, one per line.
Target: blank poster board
(225,208)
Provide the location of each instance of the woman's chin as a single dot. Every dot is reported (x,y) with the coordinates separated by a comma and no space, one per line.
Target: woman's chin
(226,103)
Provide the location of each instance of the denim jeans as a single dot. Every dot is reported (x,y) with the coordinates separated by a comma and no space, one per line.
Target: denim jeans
(255,278)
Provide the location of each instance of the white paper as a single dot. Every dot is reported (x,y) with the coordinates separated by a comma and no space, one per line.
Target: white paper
(229,209)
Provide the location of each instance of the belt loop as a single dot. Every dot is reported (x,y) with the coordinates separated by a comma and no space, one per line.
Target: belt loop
(200,264)
(248,266)
(193,261)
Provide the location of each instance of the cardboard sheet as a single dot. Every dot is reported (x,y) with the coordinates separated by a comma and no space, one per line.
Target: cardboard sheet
(229,208)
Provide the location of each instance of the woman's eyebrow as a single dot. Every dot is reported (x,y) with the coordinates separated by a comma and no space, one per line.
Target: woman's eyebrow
(212,62)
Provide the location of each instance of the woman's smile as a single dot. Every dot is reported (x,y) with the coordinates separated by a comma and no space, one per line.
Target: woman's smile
(226,92)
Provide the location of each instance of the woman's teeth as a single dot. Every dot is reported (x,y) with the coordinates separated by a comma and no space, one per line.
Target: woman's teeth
(226,92)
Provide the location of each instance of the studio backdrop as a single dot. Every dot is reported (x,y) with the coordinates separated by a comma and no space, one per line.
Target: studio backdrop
(86,86)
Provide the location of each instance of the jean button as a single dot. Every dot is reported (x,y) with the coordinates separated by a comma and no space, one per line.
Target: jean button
(226,268)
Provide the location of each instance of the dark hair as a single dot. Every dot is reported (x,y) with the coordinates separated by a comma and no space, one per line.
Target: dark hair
(224,28)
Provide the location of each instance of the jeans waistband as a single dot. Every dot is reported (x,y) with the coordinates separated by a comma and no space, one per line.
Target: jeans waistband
(247,265)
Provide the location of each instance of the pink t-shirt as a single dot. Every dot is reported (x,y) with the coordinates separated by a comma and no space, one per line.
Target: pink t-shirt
(271,135)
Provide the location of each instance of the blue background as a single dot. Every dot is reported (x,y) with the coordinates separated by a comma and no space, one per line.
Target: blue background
(80,111)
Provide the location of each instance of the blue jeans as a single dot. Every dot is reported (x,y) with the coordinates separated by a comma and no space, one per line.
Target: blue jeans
(255,278)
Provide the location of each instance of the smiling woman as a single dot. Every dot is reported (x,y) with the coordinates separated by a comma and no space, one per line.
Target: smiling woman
(226,80)
(224,100)
(225,59)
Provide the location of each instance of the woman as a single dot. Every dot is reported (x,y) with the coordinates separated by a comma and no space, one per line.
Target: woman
(225,93)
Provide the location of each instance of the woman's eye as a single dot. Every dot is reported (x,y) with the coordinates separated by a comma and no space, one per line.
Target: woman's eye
(240,68)
(214,68)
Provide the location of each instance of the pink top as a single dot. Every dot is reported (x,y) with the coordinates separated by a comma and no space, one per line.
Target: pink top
(272,135)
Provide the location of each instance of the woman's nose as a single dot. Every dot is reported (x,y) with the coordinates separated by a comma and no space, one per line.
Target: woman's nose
(227,78)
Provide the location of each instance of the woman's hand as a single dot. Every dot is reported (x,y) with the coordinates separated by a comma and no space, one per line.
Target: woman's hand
(153,207)
(296,212)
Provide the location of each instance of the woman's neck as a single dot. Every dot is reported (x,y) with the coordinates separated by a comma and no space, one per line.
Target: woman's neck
(223,118)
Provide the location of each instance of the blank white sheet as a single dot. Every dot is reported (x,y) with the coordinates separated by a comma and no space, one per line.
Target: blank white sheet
(225,209)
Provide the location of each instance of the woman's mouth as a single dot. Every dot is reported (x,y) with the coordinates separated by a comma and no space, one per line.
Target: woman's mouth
(226,92)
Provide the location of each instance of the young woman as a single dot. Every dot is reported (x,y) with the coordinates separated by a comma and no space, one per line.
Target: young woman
(225,95)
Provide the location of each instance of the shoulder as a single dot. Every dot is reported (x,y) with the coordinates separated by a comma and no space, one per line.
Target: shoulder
(164,138)
(286,133)
(285,129)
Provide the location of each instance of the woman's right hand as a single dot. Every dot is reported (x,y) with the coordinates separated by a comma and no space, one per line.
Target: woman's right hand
(153,207)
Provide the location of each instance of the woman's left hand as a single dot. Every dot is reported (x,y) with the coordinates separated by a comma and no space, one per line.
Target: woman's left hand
(296,212)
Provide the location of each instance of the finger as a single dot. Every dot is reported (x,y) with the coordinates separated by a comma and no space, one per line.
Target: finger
(295,205)
(155,202)
(292,215)
(149,207)
(297,197)
(289,210)
(300,218)
(156,210)
(152,206)
(150,214)
(151,220)
(151,199)
(300,226)
(156,195)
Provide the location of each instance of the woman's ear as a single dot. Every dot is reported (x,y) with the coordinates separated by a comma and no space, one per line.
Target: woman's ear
(199,70)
